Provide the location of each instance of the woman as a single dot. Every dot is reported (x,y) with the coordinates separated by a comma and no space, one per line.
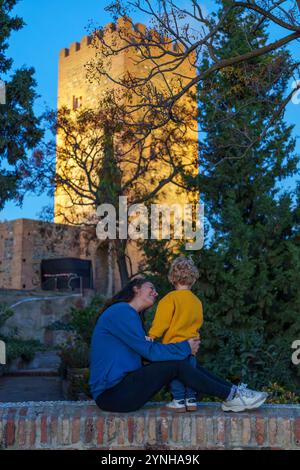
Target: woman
(118,380)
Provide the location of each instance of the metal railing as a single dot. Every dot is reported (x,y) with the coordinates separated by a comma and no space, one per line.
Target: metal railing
(56,277)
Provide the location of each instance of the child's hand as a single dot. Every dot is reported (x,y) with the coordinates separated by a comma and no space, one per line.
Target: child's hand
(148,338)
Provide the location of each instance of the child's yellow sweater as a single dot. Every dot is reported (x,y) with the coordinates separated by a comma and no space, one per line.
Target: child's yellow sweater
(178,317)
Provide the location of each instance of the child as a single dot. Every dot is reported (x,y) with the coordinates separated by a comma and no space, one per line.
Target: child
(178,317)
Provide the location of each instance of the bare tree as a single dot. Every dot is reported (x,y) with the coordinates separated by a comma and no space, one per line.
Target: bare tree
(179,35)
(98,160)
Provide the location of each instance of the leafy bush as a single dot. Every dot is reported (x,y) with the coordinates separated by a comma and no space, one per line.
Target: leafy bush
(163,395)
(278,394)
(74,354)
(17,347)
(5,313)
(82,320)
(281,395)
(247,356)
(24,349)
(78,384)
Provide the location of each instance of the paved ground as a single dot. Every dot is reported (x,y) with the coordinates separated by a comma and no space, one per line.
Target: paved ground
(19,389)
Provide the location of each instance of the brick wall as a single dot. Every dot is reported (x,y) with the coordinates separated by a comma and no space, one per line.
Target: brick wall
(81,425)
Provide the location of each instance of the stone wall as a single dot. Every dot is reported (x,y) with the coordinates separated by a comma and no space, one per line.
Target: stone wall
(81,425)
(24,243)
(35,310)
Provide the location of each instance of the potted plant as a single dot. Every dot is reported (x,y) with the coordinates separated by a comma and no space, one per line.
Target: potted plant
(75,369)
(75,352)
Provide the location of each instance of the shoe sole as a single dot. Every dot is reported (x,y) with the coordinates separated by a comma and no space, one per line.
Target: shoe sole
(191,408)
(176,410)
(236,409)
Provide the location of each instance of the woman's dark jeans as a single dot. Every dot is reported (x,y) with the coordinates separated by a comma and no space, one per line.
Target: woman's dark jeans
(139,386)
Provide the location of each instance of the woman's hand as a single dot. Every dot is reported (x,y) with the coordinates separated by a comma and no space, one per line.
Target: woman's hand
(194,345)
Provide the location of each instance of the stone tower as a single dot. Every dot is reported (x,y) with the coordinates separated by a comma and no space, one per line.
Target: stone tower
(75,91)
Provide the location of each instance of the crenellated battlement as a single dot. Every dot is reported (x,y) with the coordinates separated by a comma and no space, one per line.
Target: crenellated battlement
(85,42)
(125,26)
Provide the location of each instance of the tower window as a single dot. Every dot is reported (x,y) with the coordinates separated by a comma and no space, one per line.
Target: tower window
(77,102)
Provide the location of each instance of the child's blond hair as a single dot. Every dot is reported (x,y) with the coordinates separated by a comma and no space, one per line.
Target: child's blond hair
(183,271)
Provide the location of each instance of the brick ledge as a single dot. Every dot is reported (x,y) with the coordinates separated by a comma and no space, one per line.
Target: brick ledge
(81,425)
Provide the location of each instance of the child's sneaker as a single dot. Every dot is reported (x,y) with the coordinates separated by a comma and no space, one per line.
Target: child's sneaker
(176,405)
(245,399)
(191,404)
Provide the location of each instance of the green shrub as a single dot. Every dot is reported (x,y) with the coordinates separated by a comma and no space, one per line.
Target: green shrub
(74,354)
(17,347)
(78,384)
(247,356)
(5,313)
(281,395)
(81,320)
(24,349)
(278,395)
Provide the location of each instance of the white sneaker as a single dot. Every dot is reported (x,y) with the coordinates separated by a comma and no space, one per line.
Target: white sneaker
(176,405)
(191,404)
(245,399)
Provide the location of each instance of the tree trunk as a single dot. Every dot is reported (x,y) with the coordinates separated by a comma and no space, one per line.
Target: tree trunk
(110,270)
(121,261)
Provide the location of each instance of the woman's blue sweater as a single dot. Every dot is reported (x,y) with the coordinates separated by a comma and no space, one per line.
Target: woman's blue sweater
(118,345)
